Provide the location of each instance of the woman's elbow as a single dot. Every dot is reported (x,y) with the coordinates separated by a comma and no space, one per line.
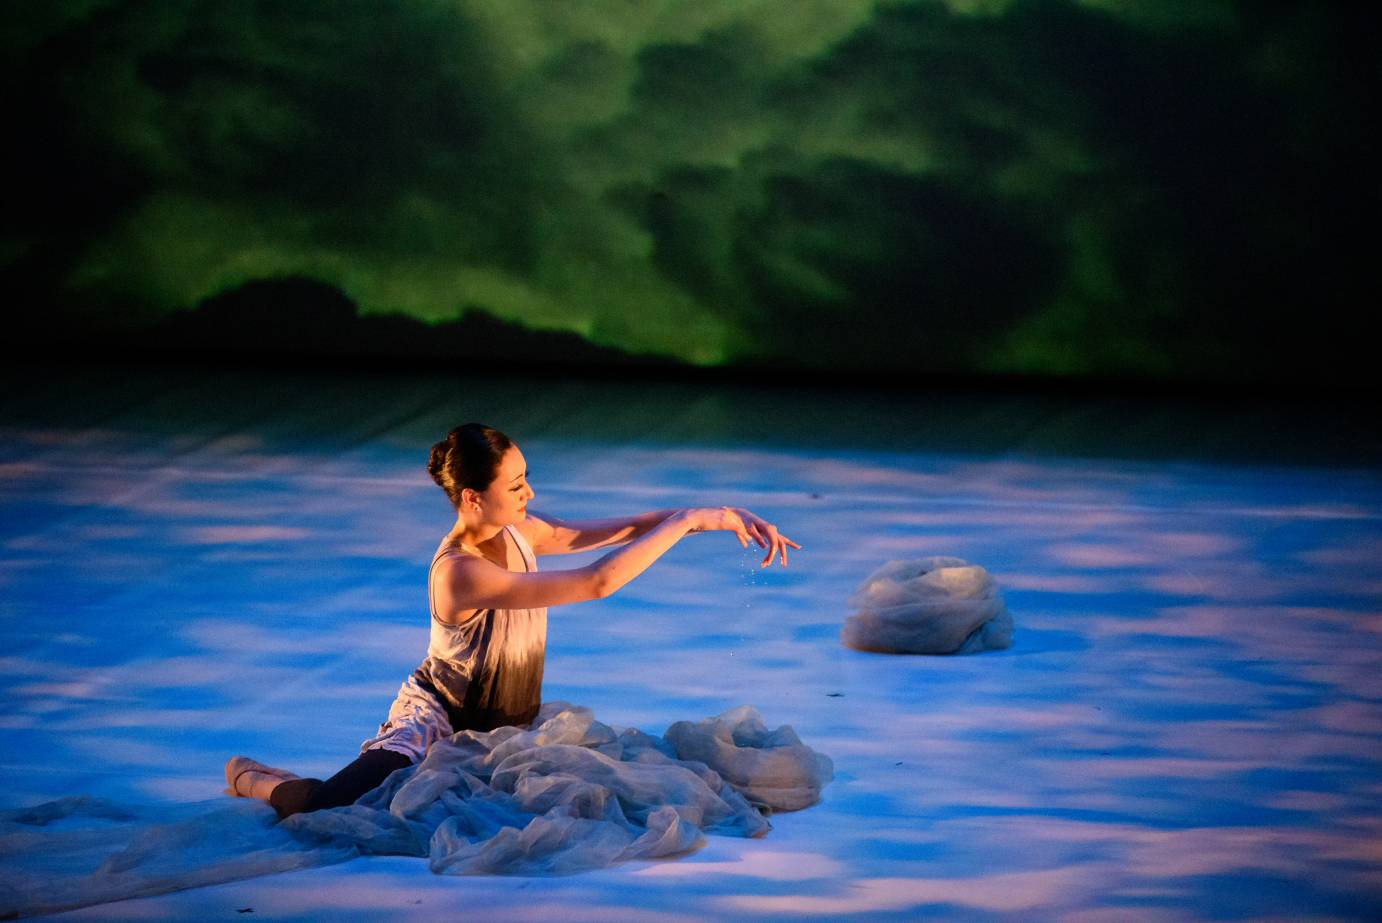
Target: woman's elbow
(602,584)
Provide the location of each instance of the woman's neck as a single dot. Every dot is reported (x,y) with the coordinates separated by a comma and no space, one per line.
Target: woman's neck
(472,535)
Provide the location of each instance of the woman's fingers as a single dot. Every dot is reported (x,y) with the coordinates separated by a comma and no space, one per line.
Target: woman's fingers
(748,526)
(772,547)
(751,523)
(776,542)
(784,543)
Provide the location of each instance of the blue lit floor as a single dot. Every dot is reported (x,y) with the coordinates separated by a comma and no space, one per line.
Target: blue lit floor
(1189,723)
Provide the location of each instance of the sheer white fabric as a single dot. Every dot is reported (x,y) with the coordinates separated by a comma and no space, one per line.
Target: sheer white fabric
(935,605)
(80,851)
(567,795)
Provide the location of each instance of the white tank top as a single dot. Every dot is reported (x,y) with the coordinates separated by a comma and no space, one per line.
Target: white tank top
(451,642)
(487,670)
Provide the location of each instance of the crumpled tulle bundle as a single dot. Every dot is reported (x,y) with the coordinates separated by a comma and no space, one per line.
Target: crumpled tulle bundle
(933,605)
(568,795)
(573,794)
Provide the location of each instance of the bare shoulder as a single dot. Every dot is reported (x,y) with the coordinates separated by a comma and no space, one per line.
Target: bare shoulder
(457,568)
(537,529)
(456,579)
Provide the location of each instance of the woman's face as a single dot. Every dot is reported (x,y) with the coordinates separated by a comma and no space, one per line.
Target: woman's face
(506,499)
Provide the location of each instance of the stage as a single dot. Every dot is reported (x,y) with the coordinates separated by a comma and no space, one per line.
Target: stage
(1188,724)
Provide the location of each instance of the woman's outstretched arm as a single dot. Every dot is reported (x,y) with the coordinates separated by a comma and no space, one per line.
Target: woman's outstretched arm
(549,535)
(468,584)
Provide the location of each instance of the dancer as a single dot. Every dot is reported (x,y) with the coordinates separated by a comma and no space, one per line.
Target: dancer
(484,661)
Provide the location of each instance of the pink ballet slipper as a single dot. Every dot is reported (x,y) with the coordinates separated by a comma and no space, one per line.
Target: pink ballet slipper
(253,774)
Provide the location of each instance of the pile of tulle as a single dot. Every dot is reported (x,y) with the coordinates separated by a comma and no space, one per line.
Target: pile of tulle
(929,606)
(567,795)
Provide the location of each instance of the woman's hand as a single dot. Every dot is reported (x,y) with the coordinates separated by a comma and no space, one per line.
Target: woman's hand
(766,535)
(746,526)
(717,519)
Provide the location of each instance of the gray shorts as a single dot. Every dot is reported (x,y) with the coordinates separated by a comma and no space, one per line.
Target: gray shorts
(416,721)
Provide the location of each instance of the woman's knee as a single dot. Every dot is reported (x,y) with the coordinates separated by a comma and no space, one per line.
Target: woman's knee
(294,796)
(363,775)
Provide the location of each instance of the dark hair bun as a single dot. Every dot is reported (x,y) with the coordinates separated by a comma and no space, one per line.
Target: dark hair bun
(436,459)
(469,456)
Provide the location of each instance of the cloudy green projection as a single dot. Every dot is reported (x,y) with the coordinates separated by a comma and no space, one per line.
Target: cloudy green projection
(1122,187)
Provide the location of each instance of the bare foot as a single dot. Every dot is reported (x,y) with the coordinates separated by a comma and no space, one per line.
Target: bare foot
(248,778)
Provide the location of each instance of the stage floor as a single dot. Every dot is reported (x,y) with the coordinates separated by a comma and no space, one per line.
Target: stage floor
(1188,724)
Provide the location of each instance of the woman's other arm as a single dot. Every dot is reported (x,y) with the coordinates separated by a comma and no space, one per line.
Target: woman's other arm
(550,535)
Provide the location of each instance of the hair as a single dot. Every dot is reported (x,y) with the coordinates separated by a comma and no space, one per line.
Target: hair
(469,456)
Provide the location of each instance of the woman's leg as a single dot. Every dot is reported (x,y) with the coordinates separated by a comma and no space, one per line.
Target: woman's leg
(416,719)
(296,796)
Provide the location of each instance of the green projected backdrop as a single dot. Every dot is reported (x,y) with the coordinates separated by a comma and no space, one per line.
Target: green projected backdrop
(1143,188)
